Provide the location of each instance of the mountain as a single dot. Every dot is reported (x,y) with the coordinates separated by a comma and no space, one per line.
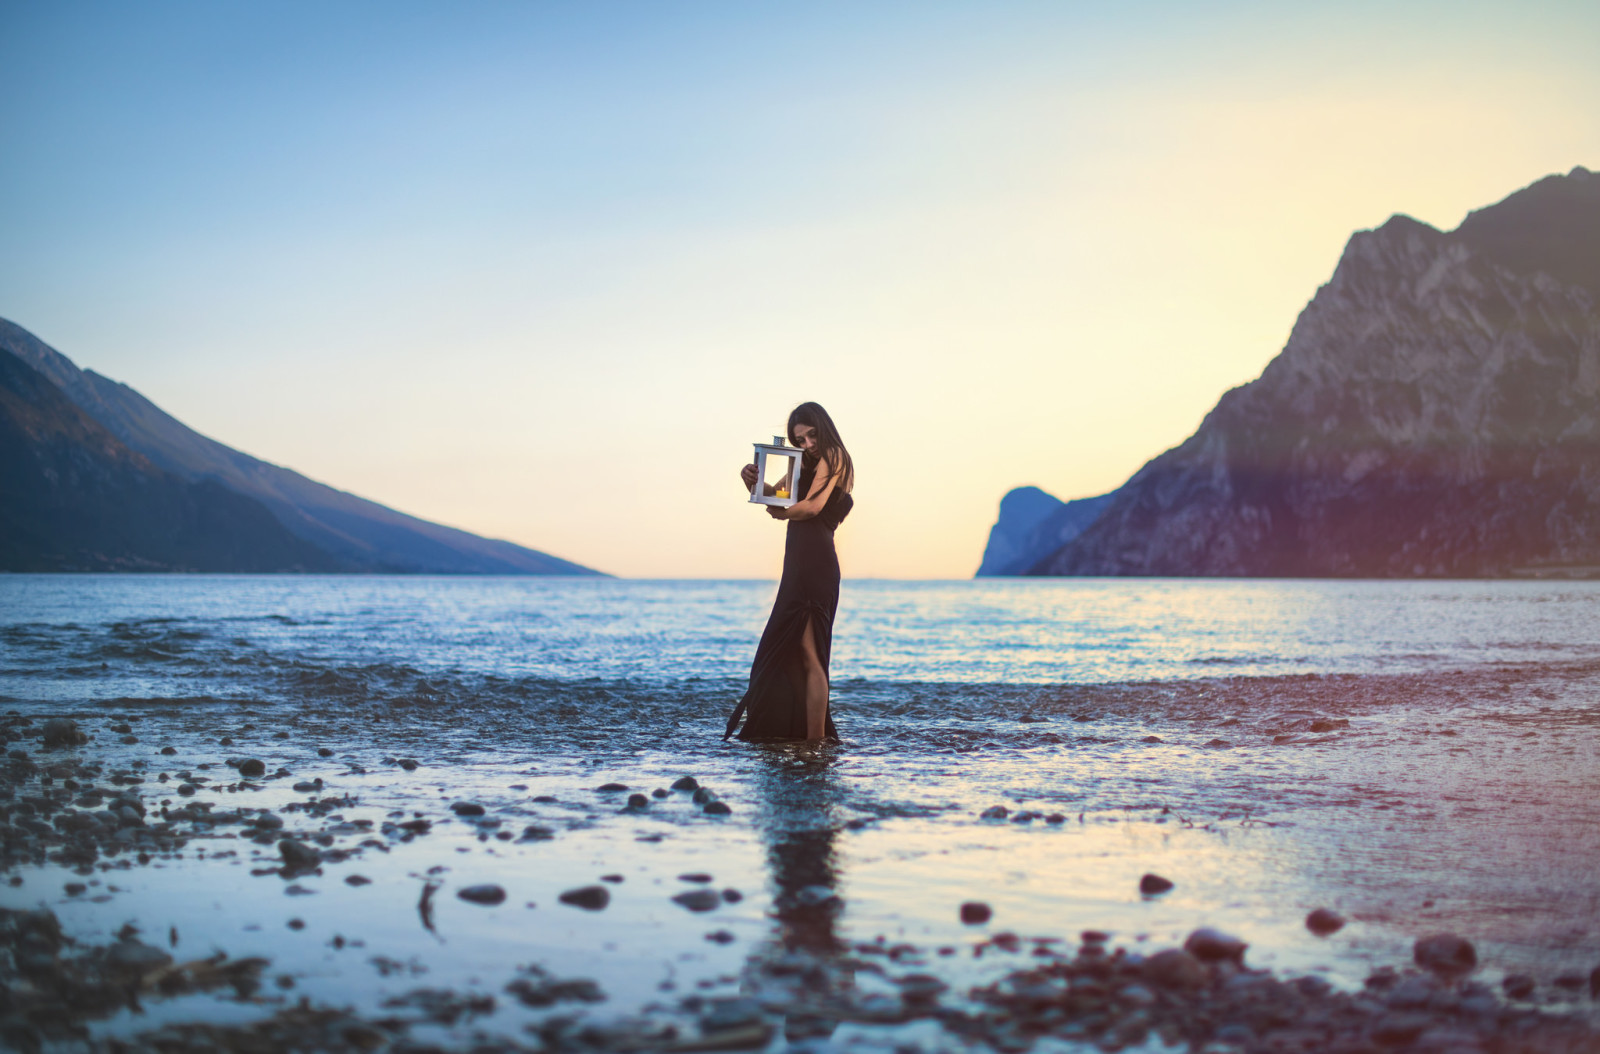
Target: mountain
(74,498)
(1032,525)
(1435,412)
(358,534)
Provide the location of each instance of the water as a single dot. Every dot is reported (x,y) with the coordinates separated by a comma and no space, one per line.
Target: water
(1457,796)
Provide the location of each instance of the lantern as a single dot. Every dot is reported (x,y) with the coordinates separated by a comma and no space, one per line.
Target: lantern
(777,467)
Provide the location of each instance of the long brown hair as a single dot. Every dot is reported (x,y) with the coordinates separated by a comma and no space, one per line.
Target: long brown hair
(830,448)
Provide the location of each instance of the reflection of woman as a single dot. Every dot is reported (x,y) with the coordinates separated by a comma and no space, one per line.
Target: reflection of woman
(788,693)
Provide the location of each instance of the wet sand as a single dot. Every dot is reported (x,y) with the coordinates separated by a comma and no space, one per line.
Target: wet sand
(321,897)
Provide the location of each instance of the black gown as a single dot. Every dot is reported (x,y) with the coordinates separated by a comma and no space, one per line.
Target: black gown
(776,698)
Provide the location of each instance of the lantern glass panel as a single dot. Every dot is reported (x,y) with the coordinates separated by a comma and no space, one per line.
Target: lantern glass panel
(777,473)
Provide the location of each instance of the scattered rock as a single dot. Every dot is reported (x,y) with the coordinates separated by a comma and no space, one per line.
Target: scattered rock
(976,913)
(467,808)
(252,767)
(1152,739)
(702,795)
(297,856)
(1323,922)
(535,833)
(357,880)
(1219,744)
(63,732)
(1445,953)
(717,808)
(487,894)
(615,880)
(611,788)
(1329,724)
(1398,1029)
(297,890)
(637,801)
(409,764)
(1209,945)
(695,876)
(685,783)
(1153,885)
(660,792)
(1174,969)
(994,812)
(324,752)
(1518,985)
(732,896)
(75,889)
(698,899)
(169,751)
(720,937)
(589,898)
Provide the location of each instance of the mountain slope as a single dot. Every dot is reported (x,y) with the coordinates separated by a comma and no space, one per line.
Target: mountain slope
(360,534)
(1435,412)
(75,498)
(1032,525)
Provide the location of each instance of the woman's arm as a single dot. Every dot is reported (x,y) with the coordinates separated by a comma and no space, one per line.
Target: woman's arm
(812,503)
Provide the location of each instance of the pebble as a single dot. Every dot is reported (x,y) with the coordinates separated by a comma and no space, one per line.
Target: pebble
(467,808)
(75,889)
(685,783)
(615,880)
(695,876)
(251,767)
(1518,985)
(720,937)
(589,898)
(610,788)
(535,833)
(994,812)
(698,899)
(1219,744)
(637,801)
(1398,1029)
(717,808)
(296,924)
(1209,945)
(732,896)
(298,856)
(357,880)
(324,752)
(63,732)
(976,913)
(1173,968)
(701,795)
(169,751)
(409,764)
(1445,953)
(1323,922)
(1152,739)
(1152,885)
(487,894)
(660,792)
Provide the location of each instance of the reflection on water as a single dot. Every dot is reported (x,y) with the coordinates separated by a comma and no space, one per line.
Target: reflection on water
(799,822)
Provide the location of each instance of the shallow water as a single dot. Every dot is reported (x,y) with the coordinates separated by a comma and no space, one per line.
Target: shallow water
(1459,797)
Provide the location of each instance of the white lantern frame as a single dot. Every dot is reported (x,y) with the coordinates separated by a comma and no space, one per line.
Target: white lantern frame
(777,448)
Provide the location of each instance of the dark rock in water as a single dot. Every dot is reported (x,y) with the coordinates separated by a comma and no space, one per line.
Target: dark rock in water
(267,821)
(695,876)
(638,801)
(1094,936)
(409,764)
(1322,922)
(589,898)
(306,787)
(467,808)
(357,880)
(539,989)
(615,880)
(1055,818)
(136,956)
(720,937)
(1398,1029)
(685,783)
(1174,969)
(186,789)
(169,751)
(487,894)
(1152,739)
(1209,945)
(535,833)
(732,896)
(298,856)
(1329,724)
(729,1015)
(296,924)
(545,799)
(1518,985)
(702,795)
(75,889)
(63,732)
(698,899)
(1445,953)
(717,808)
(994,812)
(660,792)
(1219,744)
(324,752)
(1152,885)
(611,788)
(252,767)
(128,740)
(297,890)
(1570,981)
(976,913)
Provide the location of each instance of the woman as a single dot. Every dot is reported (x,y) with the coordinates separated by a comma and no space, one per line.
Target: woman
(788,694)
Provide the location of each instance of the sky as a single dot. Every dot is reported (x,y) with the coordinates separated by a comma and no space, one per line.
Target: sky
(545,271)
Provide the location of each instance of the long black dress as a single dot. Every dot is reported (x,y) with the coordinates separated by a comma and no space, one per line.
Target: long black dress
(776,698)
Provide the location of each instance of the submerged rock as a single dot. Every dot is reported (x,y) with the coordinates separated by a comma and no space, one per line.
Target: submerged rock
(1209,945)
(976,913)
(685,783)
(487,894)
(1152,885)
(1323,922)
(252,767)
(298,856)
(717,808)
(1173,968)
(467,808)
(698,899)
(63,732)
(994,812)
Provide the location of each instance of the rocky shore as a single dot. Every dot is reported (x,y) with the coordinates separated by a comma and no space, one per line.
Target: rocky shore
(75,807)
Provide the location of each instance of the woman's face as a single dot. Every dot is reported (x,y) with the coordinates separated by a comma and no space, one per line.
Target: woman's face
(805,437)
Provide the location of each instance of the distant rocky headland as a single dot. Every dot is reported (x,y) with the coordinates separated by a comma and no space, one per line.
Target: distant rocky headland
(1435,413)
(95,477)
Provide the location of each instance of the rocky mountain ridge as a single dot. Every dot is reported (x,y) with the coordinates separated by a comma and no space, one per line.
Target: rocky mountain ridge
(355,533)
(1434,413)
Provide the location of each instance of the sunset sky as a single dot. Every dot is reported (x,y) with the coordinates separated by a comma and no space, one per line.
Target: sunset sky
(544,271)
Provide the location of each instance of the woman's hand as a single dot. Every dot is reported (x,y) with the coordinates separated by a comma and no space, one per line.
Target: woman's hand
(748,474)
(778,512)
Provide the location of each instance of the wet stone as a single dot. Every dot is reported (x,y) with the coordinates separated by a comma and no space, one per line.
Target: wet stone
(1445,953)
(357,880)
(324,752)
(409,764)
(589,898)
(135,955)
(1152,739)
(720,937)
(994,812)
(698,899)
(701,795)
(685,783)
(535,833)
(1218,744)
(717,808)
(1323,922)
(487,894)
(695,876)
(63,732)
(252,767)
(660,792)
(976,913)
(732,896)
(611,788)
(169,751)
(1175,969)
(638,801)
(615,880)
(298,856)
(1153,885)
(467,808)
(1209,945)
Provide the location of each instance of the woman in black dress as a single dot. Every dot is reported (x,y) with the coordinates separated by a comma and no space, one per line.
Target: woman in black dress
(788,693)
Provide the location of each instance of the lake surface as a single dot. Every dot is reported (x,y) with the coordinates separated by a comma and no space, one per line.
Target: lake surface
(1420,756)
